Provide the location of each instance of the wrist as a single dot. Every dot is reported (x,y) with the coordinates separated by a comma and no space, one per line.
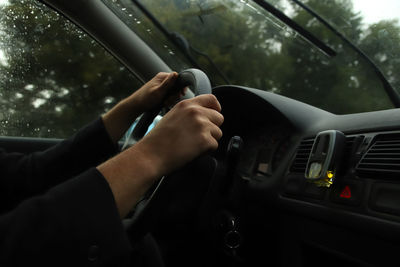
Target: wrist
(134,104)
(130,109)
(129,174)
(150,159)
(119,119)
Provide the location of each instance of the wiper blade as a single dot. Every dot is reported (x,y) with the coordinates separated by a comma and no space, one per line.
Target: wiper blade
(391,92)
(180,42)
(186,47)
(299,29)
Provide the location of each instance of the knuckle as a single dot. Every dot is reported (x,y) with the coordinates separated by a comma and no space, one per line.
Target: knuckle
(214,102)
(205,126)
(200,126)
(193,111)
(183,104)
(212,98)
(204,140)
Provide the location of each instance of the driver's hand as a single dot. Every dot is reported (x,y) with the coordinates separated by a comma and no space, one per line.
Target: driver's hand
(153,92)
(150,95)
(188,130)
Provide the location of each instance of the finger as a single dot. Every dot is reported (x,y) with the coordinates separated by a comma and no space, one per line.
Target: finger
(214,116)
(169,80)
(165,86)
(159,78)
(213,143)
(216,132)
(207,101)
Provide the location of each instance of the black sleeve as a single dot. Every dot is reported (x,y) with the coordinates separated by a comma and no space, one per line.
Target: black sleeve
(23,176)
(74,224)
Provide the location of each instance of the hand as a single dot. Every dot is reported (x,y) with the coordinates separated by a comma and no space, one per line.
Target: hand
(153,92)
(188,130)
(122,115)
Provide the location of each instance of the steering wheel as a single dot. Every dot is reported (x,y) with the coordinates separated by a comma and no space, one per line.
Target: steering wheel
(145,212)
(195,78)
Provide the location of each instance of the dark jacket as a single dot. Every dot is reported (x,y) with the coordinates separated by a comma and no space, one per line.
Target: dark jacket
(57,209)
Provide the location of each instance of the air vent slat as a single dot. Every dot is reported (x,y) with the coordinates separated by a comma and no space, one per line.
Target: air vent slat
(302,155)
(383,154)
(380,165)
(299,163)
(380,170)
(383,157)
(387,145)
(381,160)
(383,150)
(387,142)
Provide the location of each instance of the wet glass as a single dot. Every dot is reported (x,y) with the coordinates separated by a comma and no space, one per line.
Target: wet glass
(53,77)
(238,42)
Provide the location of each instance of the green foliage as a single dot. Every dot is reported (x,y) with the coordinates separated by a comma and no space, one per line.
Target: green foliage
(55,78)
(255,49)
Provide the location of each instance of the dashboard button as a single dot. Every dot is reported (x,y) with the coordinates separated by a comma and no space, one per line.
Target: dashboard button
(385,197)
(347,192)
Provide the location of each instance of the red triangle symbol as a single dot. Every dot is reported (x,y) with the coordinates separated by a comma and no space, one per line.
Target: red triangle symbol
(346,193)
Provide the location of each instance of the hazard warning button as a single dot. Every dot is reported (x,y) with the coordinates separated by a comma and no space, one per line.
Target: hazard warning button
(347,192)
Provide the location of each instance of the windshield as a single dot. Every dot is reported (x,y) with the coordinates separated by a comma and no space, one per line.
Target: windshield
(238,42)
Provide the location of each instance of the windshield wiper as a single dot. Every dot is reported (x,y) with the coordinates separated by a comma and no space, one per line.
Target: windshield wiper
(391,92)
(299,29)
(181,42)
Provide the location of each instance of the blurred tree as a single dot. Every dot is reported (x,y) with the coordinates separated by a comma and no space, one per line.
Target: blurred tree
(345,83)
(255,49)
(381,41)
(53,77)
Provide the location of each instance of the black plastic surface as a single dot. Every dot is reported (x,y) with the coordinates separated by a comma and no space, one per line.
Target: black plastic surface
(385,197)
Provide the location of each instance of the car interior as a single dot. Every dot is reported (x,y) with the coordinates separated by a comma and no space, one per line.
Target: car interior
(290,184)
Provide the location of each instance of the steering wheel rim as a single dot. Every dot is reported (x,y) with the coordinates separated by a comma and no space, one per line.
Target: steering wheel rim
(138,225)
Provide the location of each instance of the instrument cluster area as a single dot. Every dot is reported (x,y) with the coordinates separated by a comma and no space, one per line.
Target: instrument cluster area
(263,151)
(267,134)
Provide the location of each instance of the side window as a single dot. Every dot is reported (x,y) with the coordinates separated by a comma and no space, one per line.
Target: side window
(53,77)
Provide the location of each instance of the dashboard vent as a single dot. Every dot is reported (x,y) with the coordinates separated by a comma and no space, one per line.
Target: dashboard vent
(302,155)
(382,157)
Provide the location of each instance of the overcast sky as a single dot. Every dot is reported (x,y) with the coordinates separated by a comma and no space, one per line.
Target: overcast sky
(375,10)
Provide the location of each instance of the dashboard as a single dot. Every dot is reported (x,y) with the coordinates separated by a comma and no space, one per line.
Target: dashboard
(356,221)
(263,151)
